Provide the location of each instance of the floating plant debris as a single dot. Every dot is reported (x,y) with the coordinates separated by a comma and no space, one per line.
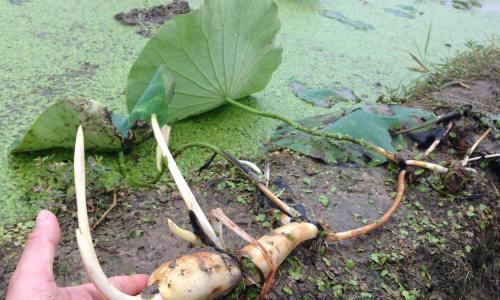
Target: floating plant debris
(324,97)
(399,13)
(356,24)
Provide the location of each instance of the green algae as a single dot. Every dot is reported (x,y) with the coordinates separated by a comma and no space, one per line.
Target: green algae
(61,50)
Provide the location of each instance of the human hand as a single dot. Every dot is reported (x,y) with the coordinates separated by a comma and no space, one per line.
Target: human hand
(34,277)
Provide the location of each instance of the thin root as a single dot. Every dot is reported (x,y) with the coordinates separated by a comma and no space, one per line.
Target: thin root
(106,213)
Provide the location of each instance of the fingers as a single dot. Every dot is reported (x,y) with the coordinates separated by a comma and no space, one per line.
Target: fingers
(38,255)
(130,285)
(34,270)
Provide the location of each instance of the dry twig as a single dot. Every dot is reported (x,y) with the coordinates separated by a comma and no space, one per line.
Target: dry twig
(221,216)
(106,213)
(438,140)
(471,149)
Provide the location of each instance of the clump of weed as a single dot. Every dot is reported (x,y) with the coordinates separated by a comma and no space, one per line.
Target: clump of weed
(477,62)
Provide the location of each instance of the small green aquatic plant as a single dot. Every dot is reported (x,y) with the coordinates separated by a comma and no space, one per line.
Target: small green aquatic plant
(421,57)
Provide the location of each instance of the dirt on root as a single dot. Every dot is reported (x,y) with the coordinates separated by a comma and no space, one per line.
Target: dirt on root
(156,15)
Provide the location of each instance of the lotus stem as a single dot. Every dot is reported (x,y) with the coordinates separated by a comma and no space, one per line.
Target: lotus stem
(262,187)
(323,134)
(181,183)
(426,165)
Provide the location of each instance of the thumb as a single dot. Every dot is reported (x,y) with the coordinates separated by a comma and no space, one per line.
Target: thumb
(38,256)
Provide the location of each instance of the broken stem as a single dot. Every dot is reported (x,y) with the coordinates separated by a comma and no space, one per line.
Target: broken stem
(323,134)
(426,165)
(459,112)
(438,140)
(484,157)
(471,149)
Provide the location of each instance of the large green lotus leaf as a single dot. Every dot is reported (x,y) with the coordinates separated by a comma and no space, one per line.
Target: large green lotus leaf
(155,99)
(372,123)
(223,49)
(56,127)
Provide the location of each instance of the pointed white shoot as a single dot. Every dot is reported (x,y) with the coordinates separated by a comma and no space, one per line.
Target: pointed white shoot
(184,234)
(182,185)
(84,239)
(251,165)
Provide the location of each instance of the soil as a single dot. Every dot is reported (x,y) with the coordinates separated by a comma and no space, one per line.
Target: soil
(442,242)
(156,15)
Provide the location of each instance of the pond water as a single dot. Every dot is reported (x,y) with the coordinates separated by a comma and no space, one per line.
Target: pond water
(52,50)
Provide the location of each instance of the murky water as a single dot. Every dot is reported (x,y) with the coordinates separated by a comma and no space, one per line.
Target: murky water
(52,50)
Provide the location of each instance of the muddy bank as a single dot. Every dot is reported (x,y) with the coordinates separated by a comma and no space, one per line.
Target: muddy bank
(154,16)
(442,242)
(424,251)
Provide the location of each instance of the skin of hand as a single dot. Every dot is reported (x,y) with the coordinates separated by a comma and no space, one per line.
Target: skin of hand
(34,276)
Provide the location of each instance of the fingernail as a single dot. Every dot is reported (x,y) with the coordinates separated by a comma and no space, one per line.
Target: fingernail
(43,216)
